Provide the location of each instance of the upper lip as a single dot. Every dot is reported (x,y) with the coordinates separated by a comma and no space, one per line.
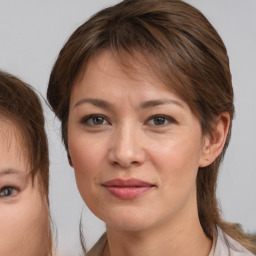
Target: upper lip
(132,182)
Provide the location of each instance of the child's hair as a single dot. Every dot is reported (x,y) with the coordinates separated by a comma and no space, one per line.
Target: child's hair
(20,105)
(179,46)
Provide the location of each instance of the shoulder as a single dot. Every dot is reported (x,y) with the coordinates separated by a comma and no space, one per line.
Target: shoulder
(225,245)
(98,248)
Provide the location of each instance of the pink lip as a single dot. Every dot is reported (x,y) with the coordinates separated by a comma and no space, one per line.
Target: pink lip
(127,189)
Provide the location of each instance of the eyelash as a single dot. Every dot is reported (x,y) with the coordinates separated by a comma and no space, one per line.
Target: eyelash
(164,118)
(161,116)
(86,119)
(11,191)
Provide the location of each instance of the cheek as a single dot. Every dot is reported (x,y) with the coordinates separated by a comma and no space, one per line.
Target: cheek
(177,162)
(87,159)
(24,227)
(87,151)
(85,156)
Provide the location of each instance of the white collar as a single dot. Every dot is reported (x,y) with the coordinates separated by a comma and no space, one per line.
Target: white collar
(227,246)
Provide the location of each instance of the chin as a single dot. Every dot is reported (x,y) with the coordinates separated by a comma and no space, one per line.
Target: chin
(127,220)
(128,226)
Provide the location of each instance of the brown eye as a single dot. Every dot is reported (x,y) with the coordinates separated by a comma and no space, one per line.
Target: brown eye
(7,191)
(160,120)
(94,120)
(98,120)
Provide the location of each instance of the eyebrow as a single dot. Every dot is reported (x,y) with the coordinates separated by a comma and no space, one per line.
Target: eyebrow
(9,171)
(153,103)
(96,102)
(143,105)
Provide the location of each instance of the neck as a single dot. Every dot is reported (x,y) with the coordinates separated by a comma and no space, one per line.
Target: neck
(185,238)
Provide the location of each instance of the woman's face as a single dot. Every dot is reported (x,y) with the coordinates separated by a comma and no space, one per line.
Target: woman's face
(135,147)
(23,217)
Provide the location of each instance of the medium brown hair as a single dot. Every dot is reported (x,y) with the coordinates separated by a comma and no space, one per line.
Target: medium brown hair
(21,106)
(183,49)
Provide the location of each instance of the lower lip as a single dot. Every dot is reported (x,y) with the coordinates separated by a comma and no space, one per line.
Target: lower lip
(128,192)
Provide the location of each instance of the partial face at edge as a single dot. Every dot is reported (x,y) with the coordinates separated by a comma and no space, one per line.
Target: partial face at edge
(125,133)
(23,217)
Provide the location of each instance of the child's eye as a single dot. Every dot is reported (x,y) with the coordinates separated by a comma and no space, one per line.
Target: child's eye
(94,120)
(8,191)
(160,120)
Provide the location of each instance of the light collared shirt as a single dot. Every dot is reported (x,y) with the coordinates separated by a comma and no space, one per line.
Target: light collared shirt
(227,246)
(213,247)
(223,245)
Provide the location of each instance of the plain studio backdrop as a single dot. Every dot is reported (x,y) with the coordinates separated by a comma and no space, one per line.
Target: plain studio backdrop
(32,33)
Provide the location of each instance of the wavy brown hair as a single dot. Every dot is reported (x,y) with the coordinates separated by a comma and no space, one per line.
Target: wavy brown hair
(183,49)
(20,105)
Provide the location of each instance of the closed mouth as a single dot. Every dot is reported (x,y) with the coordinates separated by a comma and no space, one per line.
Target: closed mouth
(127,189)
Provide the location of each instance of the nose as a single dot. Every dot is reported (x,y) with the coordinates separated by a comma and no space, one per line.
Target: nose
(126,147)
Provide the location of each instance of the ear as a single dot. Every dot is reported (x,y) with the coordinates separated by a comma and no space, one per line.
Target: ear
(70,160)
(214,143)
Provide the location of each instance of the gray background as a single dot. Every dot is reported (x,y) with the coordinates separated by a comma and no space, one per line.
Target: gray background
(31,34)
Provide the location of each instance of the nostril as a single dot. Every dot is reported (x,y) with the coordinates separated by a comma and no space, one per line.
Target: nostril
(125,164)
(115,163)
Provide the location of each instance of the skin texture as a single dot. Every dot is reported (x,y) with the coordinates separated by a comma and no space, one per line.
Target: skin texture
(23,217)
(126,140)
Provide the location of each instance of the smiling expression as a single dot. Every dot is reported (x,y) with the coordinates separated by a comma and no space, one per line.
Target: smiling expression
(135,147)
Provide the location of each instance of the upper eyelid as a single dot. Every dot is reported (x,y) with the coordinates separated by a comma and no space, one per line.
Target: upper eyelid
(162,115)
(17,190)
(87,117)
(9,186)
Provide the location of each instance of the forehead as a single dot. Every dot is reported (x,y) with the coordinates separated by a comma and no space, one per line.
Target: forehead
(106,84)
(122,67)
(138,67)
(9,130)
(12,142)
